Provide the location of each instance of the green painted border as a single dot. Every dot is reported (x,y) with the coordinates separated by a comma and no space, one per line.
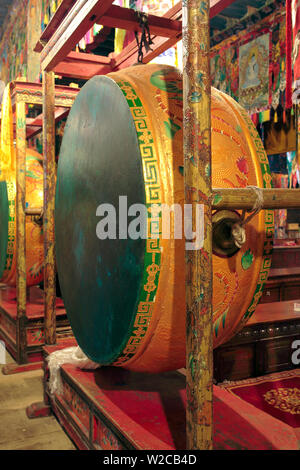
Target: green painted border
(152,259)
(269,226)
(139,114)
(9,195)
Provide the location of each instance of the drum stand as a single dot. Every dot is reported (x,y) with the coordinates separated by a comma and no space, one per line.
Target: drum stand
(21,315)
(89,408)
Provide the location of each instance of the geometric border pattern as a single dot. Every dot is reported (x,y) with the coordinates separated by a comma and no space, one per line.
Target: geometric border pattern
(269,217)
(153,197)
(152,258)
(11,194)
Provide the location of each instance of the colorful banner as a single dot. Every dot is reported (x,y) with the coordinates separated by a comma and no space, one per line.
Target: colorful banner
(232,61)
(254,73)
(296,40)
(280,215)
(49,7)
(13,45)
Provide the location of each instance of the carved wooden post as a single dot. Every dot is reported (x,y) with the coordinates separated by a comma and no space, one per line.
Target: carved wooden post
(197,172)
(20,230)
(49,202)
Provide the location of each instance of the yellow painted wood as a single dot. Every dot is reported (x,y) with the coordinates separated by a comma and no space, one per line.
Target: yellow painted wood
(197,174)
(20,228)
(49,203)
(245,198)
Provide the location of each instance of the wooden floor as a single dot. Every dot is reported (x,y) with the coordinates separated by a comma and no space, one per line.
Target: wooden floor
(16,430)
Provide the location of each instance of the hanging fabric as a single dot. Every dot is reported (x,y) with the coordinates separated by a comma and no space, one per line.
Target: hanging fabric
(278,139)
(288,89)
(120,33)
(296,41)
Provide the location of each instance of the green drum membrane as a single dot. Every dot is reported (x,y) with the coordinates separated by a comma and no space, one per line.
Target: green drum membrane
(99,161)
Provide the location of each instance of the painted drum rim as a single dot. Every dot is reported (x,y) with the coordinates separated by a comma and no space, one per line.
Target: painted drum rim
(259,159)
(4,224)
(34,269)
(263,175)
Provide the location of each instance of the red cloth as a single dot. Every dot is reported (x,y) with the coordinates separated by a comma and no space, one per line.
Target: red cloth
(149,411)
(276,394)
(288,90)
(296,39)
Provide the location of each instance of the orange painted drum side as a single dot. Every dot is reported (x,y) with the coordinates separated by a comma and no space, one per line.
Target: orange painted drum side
(34,231)
(238,160)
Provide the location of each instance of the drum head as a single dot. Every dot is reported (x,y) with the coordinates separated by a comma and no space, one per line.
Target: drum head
(99,161)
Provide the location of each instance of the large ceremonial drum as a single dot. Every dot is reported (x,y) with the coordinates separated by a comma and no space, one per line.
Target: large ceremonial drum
(33,229)
(125,296)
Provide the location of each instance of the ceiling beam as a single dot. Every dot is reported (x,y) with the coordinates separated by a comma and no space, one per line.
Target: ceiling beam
(166,30)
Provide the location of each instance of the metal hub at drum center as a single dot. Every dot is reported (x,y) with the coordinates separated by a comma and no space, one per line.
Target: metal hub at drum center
(223,240)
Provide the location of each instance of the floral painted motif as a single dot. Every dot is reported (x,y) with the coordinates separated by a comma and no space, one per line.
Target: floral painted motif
(247,259)
(284,399)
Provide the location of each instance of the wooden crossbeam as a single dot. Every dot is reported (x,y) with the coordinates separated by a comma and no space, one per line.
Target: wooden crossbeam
(74,26)
(116,17)
(216,6)
(129,54)
(83,66)
(71,23)
(34,211)
(125,18)
(246,198)
(79,65)
(34,126)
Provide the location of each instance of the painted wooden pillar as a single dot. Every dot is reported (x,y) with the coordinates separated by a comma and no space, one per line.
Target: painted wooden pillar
(20,230)
(198,191)
(49,202)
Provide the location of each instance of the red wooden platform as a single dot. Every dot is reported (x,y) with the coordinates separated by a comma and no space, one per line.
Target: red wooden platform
(263,346)
(276,312)
(34,322)
(112,408)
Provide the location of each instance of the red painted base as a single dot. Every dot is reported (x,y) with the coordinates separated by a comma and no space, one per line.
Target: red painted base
(38,410)
(34,325)
(113,408)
